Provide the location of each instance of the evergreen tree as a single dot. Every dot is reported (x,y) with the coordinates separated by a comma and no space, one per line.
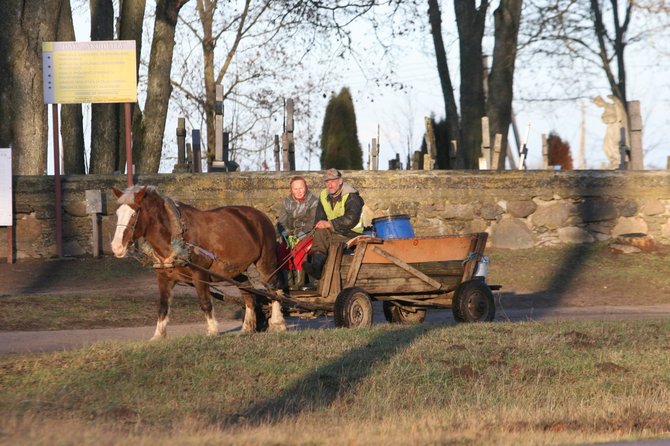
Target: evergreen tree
(340,147)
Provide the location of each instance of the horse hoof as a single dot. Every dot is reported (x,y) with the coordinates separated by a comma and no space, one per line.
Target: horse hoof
(157,338)
(277,327)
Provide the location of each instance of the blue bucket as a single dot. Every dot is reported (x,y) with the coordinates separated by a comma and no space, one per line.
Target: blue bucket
(394,226)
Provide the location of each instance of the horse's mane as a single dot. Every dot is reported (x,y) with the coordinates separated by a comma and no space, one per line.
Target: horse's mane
(128,196)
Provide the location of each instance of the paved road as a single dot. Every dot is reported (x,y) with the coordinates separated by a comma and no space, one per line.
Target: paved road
(45,341)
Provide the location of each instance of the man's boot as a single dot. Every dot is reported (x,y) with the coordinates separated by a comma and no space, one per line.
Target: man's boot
(297,279)
(315,266)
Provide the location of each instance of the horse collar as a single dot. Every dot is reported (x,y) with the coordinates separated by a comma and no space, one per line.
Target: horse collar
(179,253)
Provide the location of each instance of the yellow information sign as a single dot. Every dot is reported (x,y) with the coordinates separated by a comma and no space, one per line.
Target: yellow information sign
(95,72)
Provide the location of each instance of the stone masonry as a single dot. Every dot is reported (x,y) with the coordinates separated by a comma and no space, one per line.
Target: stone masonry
(519,209)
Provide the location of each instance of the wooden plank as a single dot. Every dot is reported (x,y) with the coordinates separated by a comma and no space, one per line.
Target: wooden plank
(356,262)
(329,284)
(433,269)
(424,249)
(375,286)
(406,267)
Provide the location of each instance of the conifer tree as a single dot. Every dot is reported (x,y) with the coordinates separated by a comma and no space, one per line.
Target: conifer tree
(340,147)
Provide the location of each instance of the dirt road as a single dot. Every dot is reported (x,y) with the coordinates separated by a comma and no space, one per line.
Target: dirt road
(45,341)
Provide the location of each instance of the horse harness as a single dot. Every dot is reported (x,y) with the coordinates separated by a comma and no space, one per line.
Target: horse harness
(181,251)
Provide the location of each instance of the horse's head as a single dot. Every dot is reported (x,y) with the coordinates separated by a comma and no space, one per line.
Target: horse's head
(127,216)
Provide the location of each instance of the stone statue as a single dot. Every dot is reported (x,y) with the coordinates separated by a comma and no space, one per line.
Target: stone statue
(614,116)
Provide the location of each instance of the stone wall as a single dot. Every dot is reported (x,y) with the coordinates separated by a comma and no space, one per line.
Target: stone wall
(519,209)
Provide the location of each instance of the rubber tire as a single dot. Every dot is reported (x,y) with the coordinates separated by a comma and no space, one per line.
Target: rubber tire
(353,309)
(473,302)
(396,314)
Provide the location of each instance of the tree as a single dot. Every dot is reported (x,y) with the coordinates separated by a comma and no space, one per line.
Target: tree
(453,132)
(340,147)
(71,119)
(507,20)
(25,25)
(104,117)
(248,48)
(148,133)
(466,131)
(131,24)
(471,21)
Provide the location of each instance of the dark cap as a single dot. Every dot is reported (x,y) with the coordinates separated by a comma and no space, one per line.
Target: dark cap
(332,174)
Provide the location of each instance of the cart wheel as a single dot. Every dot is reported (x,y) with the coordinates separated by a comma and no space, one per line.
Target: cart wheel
(399,314)
(473,302)
(353,308)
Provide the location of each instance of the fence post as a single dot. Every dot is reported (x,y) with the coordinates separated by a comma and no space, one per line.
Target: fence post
(485,159)
(545,151)
(430,145)
(495,160)
(218,124)
(374,154)
(181,165)
(636,152)
(94,207)
(289,134)
(195,137)
(276,151)
(623,150)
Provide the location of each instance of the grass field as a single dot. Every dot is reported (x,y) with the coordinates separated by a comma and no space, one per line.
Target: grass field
(497,383)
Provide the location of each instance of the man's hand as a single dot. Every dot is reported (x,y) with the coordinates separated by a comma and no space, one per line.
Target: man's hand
(323,224)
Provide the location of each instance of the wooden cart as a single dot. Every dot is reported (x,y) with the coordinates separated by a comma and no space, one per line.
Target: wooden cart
(408,275)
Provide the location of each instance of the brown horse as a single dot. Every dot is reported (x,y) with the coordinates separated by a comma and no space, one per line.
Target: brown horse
(185,243)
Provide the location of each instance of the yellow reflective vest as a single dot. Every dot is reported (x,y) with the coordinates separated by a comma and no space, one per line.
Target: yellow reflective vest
(338,211)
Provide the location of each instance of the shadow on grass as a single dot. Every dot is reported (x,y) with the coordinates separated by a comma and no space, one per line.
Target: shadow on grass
(331,381)
(588,209)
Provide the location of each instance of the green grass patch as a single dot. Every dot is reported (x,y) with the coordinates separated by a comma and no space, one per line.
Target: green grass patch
(525,383)
(584,274)
(99,310)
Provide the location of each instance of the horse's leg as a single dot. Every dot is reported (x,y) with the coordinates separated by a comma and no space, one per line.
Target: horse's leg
(277,321)
(249,324)
(205,300)
(165,287)
(265,267)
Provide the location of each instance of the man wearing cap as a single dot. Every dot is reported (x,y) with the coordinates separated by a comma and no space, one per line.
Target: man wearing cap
(338,218)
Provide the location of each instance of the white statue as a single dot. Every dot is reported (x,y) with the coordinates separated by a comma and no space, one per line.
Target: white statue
(614,115)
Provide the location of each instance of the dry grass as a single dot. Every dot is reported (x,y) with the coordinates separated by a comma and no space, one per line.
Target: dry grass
(502,383)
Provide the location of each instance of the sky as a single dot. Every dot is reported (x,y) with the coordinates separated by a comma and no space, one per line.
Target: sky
(396,117)
(647,82)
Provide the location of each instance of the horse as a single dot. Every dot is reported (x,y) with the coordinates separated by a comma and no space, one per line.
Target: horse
(198,247)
